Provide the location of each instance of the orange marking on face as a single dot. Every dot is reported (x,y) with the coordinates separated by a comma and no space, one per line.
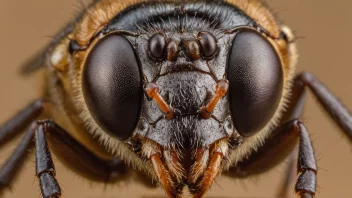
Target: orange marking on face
(221,90)
(153,92)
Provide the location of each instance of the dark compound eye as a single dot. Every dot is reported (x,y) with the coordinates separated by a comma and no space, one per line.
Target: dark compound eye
(112,86)
(256,81)
(157,47)
(208,45)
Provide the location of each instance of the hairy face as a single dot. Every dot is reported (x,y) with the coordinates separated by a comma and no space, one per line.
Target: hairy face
(180,87)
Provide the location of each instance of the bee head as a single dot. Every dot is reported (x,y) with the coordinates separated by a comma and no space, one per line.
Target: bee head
(181,85)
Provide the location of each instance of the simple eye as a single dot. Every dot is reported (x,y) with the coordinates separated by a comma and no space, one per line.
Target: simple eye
(157,47)
(208,45)
(256,81)
(112,86)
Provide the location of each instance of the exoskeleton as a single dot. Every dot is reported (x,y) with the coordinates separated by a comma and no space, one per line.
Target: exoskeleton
(179,90)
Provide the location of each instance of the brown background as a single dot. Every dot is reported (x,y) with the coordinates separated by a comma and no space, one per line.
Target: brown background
(326,51)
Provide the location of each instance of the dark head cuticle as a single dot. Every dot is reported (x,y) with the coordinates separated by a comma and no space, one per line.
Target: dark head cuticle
(186,60)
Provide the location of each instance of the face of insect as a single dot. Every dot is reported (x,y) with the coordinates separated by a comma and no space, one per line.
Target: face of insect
(182,85)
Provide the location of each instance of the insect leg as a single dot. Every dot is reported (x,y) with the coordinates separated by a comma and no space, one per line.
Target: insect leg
(282,141)
(293,111)
(306,166)
(330,103)
(21,120)
(45,169)
(97,168)
(13,164)
(275,149)
(81,159)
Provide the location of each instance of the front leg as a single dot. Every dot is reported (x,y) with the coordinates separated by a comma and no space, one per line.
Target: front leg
(45,169)
(88,162)
(277,146)
(306,166)
(93,166)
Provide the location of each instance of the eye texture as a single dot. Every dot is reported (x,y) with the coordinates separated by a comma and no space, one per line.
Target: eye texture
(157,47)
(208,45)
(112,86)
(256,81)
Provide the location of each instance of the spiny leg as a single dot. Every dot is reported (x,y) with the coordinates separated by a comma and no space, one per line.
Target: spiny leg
(276,147)
(306,166)
(330,103)
(293,111)
(82,159)
(86,160)
(274,150)
(93,166)
(45,169)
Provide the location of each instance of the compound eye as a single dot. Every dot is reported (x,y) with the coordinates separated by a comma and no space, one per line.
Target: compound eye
(256,81)
(111,84)
(208,45)
(157,47)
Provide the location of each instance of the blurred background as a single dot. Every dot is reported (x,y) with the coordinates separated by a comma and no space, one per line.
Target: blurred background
(325,50)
